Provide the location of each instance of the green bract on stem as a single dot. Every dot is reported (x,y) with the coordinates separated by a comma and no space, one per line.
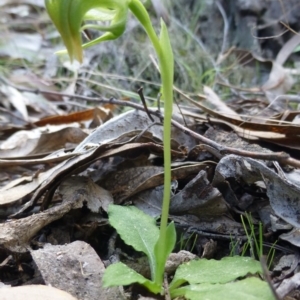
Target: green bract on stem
(68,16)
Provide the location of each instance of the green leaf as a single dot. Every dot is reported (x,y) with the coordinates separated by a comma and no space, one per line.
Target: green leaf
(167,234)
(167,63)
(161,257)
(119,274)
(297,49)
(136,229)
(215,271)
(248,289)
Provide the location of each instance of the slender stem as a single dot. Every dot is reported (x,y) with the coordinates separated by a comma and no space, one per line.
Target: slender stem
(141,14)
(167,82)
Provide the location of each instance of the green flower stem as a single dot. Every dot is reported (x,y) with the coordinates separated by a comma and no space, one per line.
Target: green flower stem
(165,59)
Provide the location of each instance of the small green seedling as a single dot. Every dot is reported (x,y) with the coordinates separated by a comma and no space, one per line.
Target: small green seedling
(136,228)
(256,245)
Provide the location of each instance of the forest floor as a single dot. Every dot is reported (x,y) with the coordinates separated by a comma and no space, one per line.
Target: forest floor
(75,139)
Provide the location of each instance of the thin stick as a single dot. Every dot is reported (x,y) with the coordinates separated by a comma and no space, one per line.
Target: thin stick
(281,157)
(141,94)
(268,278)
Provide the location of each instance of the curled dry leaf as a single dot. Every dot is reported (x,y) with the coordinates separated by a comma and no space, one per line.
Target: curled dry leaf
(13,235)
(95,196)
(280,81)
(150,200)
(54,157)
(20,143)
(199,198)
(16,99)
(116,131)
(283,195)
(67,137)
(132,121)
(24,144)
(220,106)
(50,179)
(81,116)
(288,285)
(128,182)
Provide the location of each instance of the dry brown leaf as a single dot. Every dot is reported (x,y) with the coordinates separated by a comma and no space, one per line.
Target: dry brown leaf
(283,194)
(126,183)
(15,238)
(291,141)
(20,143)
(54,157)
(52,178)
(219,105)
(26,143)
(277,127)
(199,198)
(81,116)
(130,122)
(96,195)
(16,98)
(67,138)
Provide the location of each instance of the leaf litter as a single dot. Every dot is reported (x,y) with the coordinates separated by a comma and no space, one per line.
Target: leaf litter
(63,162)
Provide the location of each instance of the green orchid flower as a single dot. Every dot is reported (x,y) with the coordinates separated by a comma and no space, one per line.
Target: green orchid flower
(68,16)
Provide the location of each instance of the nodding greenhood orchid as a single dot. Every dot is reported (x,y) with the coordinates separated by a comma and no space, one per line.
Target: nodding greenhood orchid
(68,16)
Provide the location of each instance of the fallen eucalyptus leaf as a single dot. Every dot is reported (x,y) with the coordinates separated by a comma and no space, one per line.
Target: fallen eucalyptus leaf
(199,198)
(283,195)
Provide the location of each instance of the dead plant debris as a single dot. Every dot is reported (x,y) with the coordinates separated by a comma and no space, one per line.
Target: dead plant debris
(68,150)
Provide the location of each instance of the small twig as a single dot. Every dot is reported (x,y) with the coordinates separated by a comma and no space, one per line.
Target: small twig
(140,92)
(146,129)
(281,157)
(226,26)
(268,278)
(211,150)
(166,288)
(277,156)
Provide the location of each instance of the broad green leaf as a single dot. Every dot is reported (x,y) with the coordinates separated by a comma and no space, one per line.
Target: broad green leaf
(119,274)
(248,289)
(136,229)
(161,257)
(215,271)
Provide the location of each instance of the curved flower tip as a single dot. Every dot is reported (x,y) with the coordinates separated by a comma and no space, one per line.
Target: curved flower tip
(68,16)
